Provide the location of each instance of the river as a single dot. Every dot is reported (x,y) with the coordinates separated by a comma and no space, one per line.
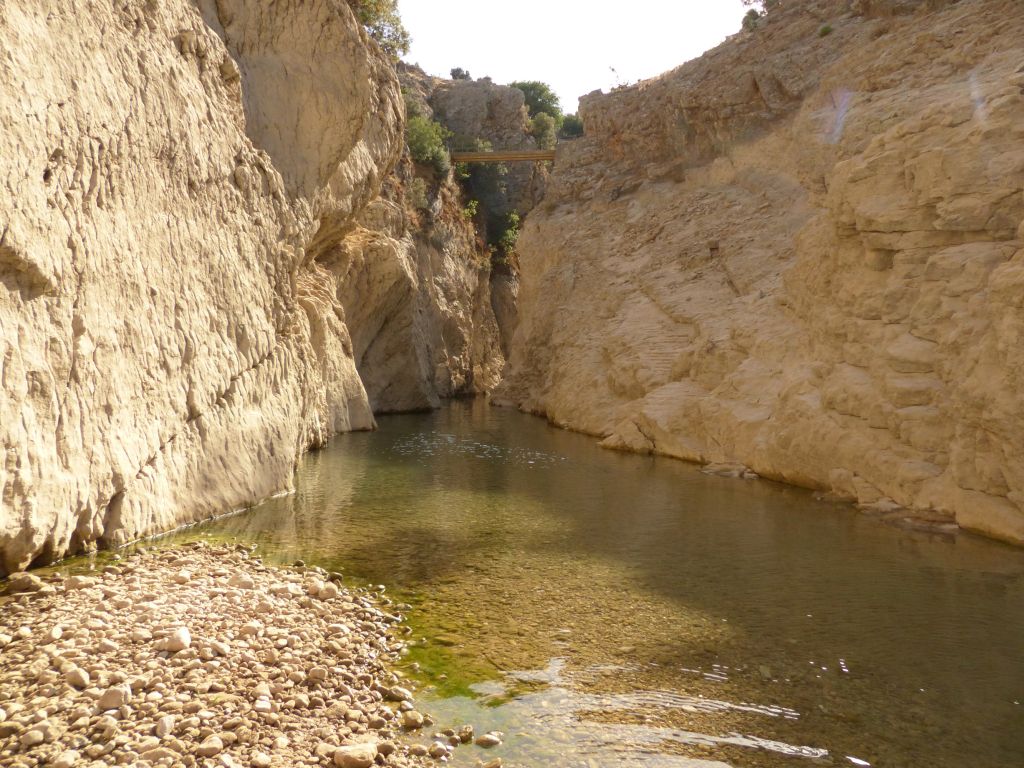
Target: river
(606,609)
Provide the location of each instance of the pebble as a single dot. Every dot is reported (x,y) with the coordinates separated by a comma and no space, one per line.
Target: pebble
(24,582)
(67,759)
(115,697)
(80,582)
(32,737)
(399,694)
(355,756)
(165,726)
(179,640)
(328,591)
(212,745)
(174,659)
(488,740)
(77,677)
(242,581)
(318,674)
(438,750)
(412,720)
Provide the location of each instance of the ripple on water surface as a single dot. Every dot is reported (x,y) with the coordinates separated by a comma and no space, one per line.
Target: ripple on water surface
(669,618)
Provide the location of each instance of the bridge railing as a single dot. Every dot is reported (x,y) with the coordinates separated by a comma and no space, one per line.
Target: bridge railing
(504,156)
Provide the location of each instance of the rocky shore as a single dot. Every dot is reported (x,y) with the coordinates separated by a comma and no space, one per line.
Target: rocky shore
(205,656)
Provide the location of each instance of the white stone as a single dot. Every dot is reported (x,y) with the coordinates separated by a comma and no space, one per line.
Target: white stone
(165,726)
(179,640)
(68,759)
(115,697)
(77,677)
(242,581)
(212,745)
(355,756)
(80,582)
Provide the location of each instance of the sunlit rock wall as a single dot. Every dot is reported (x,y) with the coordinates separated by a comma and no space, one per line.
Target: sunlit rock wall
(801,253)
(169,172)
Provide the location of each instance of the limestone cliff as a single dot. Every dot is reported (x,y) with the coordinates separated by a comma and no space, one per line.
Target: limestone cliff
(416,287)
(480,114)
(801,253)
(178,179)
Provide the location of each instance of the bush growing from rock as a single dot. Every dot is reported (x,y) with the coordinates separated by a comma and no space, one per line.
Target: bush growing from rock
(572,127)
(426,141)
(418,194)
(544,130)
(540,99)
(381,19)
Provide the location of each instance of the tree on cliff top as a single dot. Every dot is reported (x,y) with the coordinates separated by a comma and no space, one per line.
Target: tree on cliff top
(540,98)
(381,19)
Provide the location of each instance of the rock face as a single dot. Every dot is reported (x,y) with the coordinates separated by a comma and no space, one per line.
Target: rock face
(176,180)
(495,114)
(803,253)
(415,285)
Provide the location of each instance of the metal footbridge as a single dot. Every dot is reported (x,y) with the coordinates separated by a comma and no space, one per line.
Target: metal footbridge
(505,156)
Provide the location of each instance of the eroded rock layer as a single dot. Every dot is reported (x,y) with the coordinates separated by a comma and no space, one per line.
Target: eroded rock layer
(172,336)
(801,253)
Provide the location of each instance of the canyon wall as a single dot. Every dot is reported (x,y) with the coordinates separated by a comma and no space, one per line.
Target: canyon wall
(801,254)
(177,324)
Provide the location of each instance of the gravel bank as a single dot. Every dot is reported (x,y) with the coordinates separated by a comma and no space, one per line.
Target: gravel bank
(204,656)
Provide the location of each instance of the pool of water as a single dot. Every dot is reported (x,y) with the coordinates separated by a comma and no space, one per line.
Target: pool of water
(605,609)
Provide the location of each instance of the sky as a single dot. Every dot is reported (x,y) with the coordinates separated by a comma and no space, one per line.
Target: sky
(570,44)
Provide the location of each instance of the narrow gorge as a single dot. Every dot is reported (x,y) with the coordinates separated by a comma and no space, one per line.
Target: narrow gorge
(354,415)
(212,260)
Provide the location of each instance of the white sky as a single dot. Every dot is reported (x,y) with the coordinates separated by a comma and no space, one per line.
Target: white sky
(569,44)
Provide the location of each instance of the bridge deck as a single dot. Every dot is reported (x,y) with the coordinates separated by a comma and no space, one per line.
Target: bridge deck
(504,156)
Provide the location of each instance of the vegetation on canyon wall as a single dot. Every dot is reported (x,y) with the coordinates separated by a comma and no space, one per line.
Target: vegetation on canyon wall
(381,19)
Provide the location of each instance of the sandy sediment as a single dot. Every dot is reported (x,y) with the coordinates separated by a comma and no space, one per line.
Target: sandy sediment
(205,656)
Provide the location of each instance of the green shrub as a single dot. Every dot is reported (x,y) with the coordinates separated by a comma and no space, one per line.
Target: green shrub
(572,127)
(825,31)
(508,234)
(418,194)
(540,99)
(751,19)
(469,212)
(460,74)
(381,19)
(426,140)
(544,131)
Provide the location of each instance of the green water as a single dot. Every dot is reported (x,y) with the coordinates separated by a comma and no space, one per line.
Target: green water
(605,609)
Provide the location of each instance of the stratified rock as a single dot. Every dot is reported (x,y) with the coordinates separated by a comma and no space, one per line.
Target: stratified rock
(799,254)
(170,344)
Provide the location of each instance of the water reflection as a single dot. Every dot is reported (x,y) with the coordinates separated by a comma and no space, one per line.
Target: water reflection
(517,543)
